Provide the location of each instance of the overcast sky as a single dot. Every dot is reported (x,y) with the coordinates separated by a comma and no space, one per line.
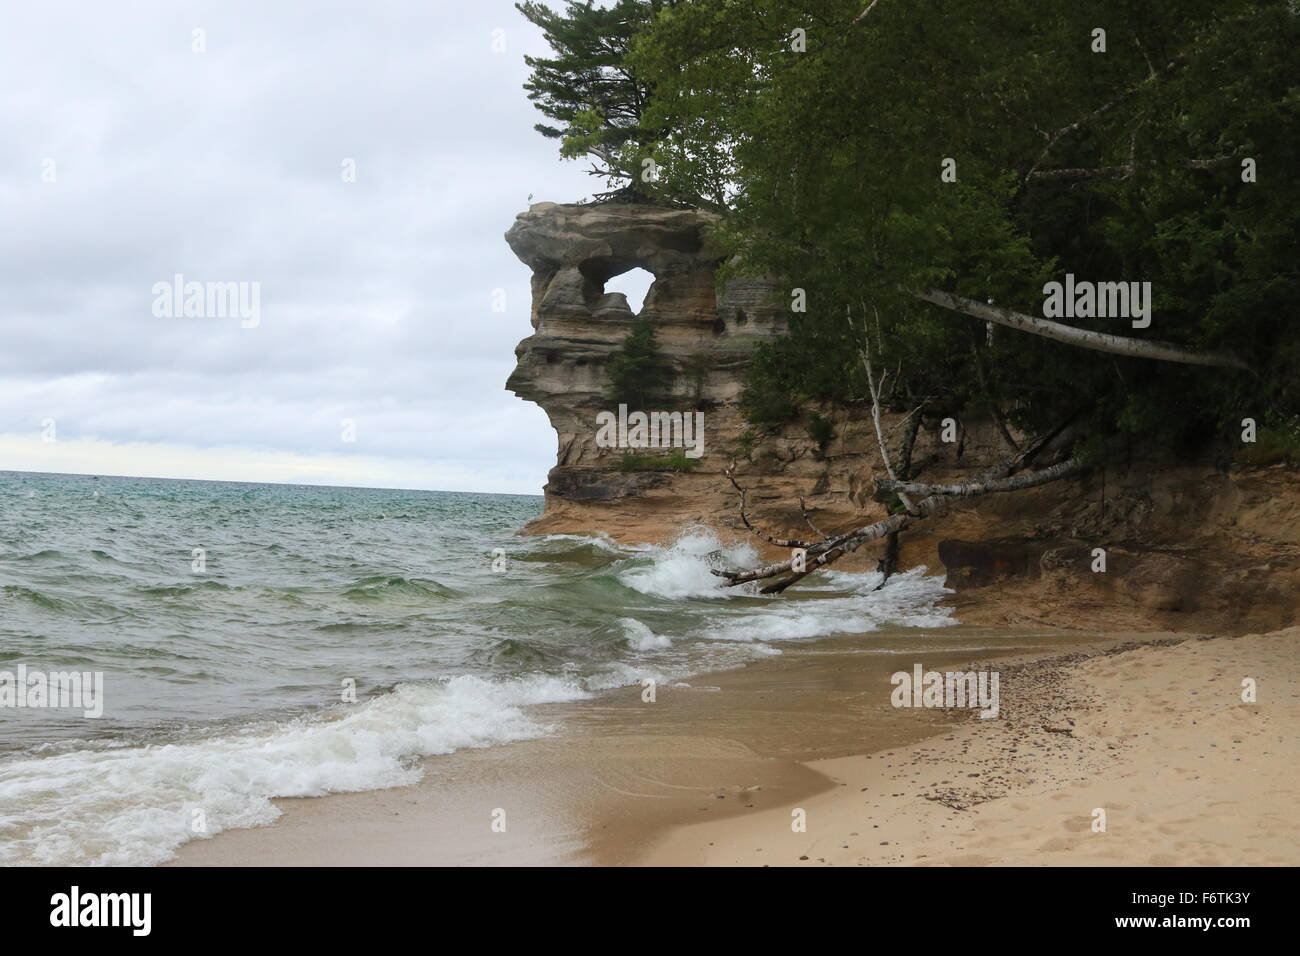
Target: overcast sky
(126,158)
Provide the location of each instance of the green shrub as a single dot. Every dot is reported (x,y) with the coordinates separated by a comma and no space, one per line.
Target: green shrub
(695,369)
(820,430)
(677,461)
(744,445)
(640,375)
(1272,445)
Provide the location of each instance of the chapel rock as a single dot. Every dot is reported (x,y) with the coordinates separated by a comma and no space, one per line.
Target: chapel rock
(707,332)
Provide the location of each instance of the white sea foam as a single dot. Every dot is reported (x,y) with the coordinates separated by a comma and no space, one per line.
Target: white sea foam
(909,600)
(135,805)
(683,570)
(641,638)
(599,539)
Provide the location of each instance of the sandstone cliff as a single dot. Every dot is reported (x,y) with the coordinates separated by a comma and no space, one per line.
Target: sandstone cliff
(1188,546)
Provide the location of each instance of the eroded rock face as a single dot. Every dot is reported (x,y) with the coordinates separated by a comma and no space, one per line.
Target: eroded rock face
(573,251)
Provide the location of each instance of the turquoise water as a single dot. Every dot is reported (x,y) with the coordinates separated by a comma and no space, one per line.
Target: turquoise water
(223,684)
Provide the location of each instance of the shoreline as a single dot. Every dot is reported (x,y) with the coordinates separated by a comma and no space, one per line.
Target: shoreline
(624,776)
(1149,728)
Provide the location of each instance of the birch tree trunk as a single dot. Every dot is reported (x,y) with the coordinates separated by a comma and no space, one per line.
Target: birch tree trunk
(983,487)
(1084,338)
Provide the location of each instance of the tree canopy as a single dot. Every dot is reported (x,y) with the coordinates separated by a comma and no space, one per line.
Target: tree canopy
(589,87)
(916,165)
(1114,142)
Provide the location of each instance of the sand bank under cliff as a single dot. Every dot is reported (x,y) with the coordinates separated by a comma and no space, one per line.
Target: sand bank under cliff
(1156,737)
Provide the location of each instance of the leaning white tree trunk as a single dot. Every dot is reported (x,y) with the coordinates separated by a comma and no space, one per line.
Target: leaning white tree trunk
(990,486)
(1085,338)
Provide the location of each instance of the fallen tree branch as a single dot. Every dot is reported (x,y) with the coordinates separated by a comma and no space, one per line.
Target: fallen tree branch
(771,570)
(985,487)
(778,542)
(1060,435)
(831,551)
(803,509)
(846,545)
(1084,338)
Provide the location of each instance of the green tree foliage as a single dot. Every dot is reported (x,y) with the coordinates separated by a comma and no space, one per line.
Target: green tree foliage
(1122,165)
(594,98)
(640,375)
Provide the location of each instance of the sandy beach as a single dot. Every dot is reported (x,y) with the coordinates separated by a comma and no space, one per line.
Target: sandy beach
(1150,729)
(1156,736)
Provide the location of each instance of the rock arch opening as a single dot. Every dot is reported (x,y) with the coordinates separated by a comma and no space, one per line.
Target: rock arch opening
(607,278)
(634,284)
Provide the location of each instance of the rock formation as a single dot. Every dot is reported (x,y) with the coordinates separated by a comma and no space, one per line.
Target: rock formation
(1187,545)
(708,334)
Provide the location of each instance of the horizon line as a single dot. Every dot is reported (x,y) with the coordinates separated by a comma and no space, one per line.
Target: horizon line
(288,484)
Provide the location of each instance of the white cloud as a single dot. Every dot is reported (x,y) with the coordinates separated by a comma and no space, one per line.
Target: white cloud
(225,166)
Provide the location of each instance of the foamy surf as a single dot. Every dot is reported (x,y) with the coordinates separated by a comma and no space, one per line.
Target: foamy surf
(135,805)
(910,600)
(293,604)
(641,638)
(685,568)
